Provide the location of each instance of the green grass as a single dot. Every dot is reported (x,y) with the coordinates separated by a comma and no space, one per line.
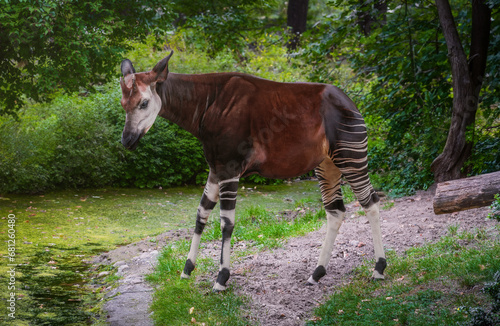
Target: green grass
(267,229)
(175,297)
(177,301)
(429,285)
(388,205)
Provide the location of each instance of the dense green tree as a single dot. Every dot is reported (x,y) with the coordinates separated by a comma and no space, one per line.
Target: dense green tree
(73,45)
(223,24)
(370,14)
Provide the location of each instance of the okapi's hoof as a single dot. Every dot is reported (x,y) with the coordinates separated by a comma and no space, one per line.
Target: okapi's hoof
(218,288)
(319,272)
(220,284)
(377,276)
(184,276)
(311,281)
(378,272)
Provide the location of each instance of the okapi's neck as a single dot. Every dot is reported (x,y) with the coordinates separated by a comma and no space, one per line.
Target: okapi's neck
(185,98)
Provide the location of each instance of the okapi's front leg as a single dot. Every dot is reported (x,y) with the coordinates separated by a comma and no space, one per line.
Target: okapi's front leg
(227,190)
(208,201)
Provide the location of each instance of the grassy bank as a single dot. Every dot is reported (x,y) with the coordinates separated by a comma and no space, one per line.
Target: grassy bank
(261,224)
(436,284)
(179,302)
(57,233)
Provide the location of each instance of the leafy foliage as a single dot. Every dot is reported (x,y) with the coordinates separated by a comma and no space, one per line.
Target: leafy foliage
(493,288)
(56,146)
(167,156)
(47,45)
(495,208)
(479,316)
(407,97)
(219,25)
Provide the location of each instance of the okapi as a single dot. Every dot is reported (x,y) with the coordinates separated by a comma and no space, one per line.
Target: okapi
(252,125)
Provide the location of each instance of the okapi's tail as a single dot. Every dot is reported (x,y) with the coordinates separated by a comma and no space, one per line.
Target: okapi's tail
(346,133)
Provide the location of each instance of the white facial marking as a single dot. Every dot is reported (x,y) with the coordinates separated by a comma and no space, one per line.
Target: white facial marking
(144,115)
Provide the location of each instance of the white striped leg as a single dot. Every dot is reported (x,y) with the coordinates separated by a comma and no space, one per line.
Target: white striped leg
(355,172)
(373,216)
(334,221)
(228,191)
(329,181)
(208,201)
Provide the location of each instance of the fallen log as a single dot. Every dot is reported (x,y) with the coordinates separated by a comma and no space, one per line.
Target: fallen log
(458,195)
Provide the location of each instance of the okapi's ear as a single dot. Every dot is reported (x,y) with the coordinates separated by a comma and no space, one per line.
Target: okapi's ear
(160,71)
(127,68)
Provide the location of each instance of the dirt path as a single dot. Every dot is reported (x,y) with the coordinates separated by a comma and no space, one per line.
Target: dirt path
(275,280)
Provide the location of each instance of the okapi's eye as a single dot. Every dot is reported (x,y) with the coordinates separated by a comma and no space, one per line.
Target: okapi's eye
(144,104)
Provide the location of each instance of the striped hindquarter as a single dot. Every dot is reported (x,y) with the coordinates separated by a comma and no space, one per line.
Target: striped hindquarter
(347,157)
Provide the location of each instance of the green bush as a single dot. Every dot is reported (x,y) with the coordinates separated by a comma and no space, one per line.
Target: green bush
(66,143)
(167,155)
(495,208)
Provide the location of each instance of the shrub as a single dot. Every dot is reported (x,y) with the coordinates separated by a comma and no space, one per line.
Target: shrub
(66,143)
(73,142)
(167,155)
(495,210)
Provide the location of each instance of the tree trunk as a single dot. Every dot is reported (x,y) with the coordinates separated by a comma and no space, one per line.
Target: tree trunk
(458,195)
(366,19)
(467,81)
(296,20)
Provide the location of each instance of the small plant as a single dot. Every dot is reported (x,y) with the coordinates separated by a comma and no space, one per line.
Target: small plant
(479,317)
(495,208)
(485,317)
(388,205)
(453,229)
(493,289)
(481,234)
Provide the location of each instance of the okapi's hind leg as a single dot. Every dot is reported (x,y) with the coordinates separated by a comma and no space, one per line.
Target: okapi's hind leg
(228,191)
(329,181)
(373,216)
(358,179)
(208,201)
(329,175)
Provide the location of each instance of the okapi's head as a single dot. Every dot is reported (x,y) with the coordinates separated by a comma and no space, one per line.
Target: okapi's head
(140,99)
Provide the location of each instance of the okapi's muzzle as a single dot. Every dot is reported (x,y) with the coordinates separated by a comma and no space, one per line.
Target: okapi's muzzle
(131,140)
